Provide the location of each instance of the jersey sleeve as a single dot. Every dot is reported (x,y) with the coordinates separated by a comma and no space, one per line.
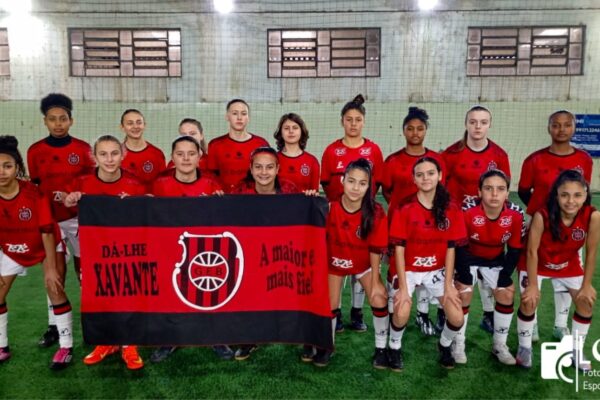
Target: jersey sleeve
(504,164)
(526,180)
(378,238)
(516,234)
(34,174)
(45,220)
(458,229)
(378,167)
(325,167)
(315,174)
(398,233)
(588,168)
(212,159)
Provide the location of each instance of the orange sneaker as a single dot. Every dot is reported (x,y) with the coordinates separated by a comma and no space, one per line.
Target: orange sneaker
(131,357)
(99,353)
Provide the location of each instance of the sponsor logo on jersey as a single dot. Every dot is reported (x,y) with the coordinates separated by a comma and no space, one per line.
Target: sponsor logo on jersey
(340,165)
(444,226)
(340,151)
(506,221)
(215,266)
(19,248)
(25,214)
(57,196)
(475,236)
(479,220)
(305,170)
(578,234)
(341,263)
(506,236)
(148,167)
(425,261)
(492,165)
(556,267)
(73,159)
(365,151)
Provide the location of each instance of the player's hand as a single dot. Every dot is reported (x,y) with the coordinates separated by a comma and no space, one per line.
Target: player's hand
(451,295)
(52,280)
(587,294)
(531,296)
(311,192)
(219,193)
(72,198)
(401,298)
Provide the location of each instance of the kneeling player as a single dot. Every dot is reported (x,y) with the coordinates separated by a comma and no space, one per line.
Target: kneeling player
(492,223)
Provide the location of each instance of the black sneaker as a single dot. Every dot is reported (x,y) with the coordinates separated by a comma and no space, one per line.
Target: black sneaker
(243,352)
(487,323)
(162,353)
(50,337)
(395,360)
(446,358)
(357,323)
(425,325)
(322,357)
(441,321)
(308,353)
(339,324)
(380,359)
(224,352)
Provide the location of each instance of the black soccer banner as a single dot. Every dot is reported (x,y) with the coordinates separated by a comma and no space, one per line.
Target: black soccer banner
(204,271)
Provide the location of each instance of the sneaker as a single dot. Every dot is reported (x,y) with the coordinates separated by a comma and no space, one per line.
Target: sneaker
(339,324)
(224,352)
(502,353)
(458,352)
(99,353)
(62,358)
(425,324)
(560,331)
(132,359)
(4,354)
(584,364)
(395,361)
(487,324)
(162,353)
(524,357)
(49,337)
(357,324)
(446,358)
(535,334)
(322,358)
(243,352)
(440,321)
(380,359)
(308,352)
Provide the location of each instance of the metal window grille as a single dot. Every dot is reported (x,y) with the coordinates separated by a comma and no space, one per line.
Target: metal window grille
(4,53)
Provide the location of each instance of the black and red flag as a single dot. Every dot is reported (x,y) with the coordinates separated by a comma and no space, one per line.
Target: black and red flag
(204,271)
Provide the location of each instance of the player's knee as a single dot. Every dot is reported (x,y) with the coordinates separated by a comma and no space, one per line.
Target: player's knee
(505,295)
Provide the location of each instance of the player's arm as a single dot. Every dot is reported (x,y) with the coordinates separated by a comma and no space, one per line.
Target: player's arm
(401,295)
(526,182)
(450,292)
(51,275)
(32,166)
(587,291)
(531,294)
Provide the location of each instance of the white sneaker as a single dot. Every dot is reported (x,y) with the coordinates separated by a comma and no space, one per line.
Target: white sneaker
(502,353)
(458,352)
(524,357)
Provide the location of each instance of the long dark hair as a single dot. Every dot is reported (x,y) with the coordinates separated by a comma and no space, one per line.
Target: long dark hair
(278,135)
(355,104)
(441,200)
(416,113)
(249,179)
(569,175)
(9,145)
(367,207)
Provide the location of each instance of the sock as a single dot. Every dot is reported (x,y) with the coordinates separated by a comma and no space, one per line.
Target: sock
(356,314)
(422,300)
(358,293)
(460,334)
(396,336)
(448,334)
(525,328)
(3,325)
(581,325)
(502,318)
(64,323)
(562,305)
(380,324)
(51,319)
(487,297)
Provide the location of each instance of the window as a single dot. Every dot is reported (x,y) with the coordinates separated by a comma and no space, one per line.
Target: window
(323,53)
(525,51)
(4,53)
(125,52)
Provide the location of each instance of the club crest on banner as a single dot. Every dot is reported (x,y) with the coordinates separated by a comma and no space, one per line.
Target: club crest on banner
(210,271)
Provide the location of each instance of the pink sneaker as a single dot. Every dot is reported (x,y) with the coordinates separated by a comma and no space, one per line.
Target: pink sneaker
(4,354)
(62,358)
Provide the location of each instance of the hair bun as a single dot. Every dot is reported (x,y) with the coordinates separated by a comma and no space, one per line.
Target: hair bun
(359,99)
(416,112)
(9,142)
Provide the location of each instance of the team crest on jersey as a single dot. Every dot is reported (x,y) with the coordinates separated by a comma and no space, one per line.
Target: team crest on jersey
(25,214)
(475,236)
(505,221)
(305,170)
(148,167)
(506,237)
(444,226)
(210,271)
(19,248)
(341,263)
(73,159)
(365,151)
(492,165)
(578,234)
(478,220)
(340,151)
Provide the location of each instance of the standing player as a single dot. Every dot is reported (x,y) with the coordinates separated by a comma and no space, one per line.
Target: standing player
(398,187)
(142,159)
(424,234)
(493,223)
(465,161)
(356,240)
(296,164)
(539,171)
(557,234)
(193,127)
(54,162)
(336,158)
(29,235)
(229,155)
(108,179)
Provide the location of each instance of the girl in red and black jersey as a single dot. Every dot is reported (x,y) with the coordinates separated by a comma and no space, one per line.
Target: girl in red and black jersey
(336,158)
(557,234)
(424,234)
(108,179)
(141,159)
(539,171)
(296,164)
(465,161)
(356,240)
(193,128)
(29,235)
(493,223)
